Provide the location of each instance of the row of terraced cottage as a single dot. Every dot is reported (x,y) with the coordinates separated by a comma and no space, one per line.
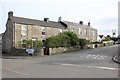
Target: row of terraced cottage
(19,28)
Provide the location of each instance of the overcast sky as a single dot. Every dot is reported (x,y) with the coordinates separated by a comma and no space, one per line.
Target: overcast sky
(103,14)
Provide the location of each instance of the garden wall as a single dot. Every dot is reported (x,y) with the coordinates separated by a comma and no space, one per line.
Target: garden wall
(53,51)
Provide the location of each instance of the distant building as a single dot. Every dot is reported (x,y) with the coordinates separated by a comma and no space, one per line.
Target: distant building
(19,28)
(100,38)
(82,30)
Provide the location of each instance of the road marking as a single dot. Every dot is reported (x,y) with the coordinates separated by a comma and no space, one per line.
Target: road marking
(15,71)
(89,56)
(96,56)
(97,67)
(7,59)
(108,68)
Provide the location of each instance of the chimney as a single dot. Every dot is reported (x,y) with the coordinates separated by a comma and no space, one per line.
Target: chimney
(10,14)
(59,19)
(89,23)
(81,22)
(46,19)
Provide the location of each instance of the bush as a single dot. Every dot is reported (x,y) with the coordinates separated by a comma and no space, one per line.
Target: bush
(96,42)
(37,44)
(73,38)
(60,40)
(83,42)
(65,39)
(31,43)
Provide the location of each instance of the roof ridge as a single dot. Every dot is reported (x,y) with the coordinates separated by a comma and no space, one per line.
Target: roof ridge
(28,21)
(76,23)
(26,18)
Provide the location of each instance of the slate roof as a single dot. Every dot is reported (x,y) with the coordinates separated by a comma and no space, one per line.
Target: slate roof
(77,24)
(38,22)
(101,36)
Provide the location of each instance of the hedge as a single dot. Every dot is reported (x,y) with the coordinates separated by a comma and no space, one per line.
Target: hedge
(65,39)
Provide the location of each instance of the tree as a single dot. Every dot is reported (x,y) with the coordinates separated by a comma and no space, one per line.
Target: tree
(108,36)
(83,42)
(114,39)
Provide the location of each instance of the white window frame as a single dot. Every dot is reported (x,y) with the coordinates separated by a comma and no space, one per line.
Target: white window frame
(73,30)
(22,40)
(85,32)
(24,30)
(61,31)
(34,39)
(43,29)
(79,30)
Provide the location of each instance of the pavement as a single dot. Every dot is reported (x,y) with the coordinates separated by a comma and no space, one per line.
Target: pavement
(15,57)
(91,63)
(116,58)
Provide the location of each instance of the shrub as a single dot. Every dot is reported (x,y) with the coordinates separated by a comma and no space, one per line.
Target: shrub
(65,39)
(37,44)
(73,38)
(83,42)
(31,43)
(96,42)
(60,40)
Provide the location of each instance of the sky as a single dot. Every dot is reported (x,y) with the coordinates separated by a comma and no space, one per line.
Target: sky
(103,14)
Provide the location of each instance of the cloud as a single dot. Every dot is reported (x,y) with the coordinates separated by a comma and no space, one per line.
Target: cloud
(107,24)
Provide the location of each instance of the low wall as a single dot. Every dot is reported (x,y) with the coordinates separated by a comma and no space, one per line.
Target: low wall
(99,45)
(53,51)
(22,52)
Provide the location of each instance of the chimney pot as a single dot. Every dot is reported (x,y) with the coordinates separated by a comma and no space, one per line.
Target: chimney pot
(59,19)
(81,22)
(89,23)
(46,19)
(10,14)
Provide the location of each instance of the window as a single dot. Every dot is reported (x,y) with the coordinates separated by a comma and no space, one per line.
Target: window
(22,43)
(43,29)
(61,31)
(79,31)
(73,30)
(85,32)
(35,30)
(24,30)
(34,39)
(93,33)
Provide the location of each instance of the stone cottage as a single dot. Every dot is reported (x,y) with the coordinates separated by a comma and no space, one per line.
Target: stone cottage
(82,30)
(100,38)
(19,28)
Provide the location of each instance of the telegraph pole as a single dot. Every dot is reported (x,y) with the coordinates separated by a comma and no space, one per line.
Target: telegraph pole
(114,33)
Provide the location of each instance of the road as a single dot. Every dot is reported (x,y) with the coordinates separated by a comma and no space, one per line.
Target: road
(91,63)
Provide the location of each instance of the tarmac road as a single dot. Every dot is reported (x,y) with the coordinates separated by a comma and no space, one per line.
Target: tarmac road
(91,63)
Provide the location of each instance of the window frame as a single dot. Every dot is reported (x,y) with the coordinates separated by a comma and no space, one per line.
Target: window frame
(23,43)
(24,29)
(43,31)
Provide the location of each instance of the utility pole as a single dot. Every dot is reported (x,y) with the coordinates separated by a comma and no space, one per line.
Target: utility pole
(114,33)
